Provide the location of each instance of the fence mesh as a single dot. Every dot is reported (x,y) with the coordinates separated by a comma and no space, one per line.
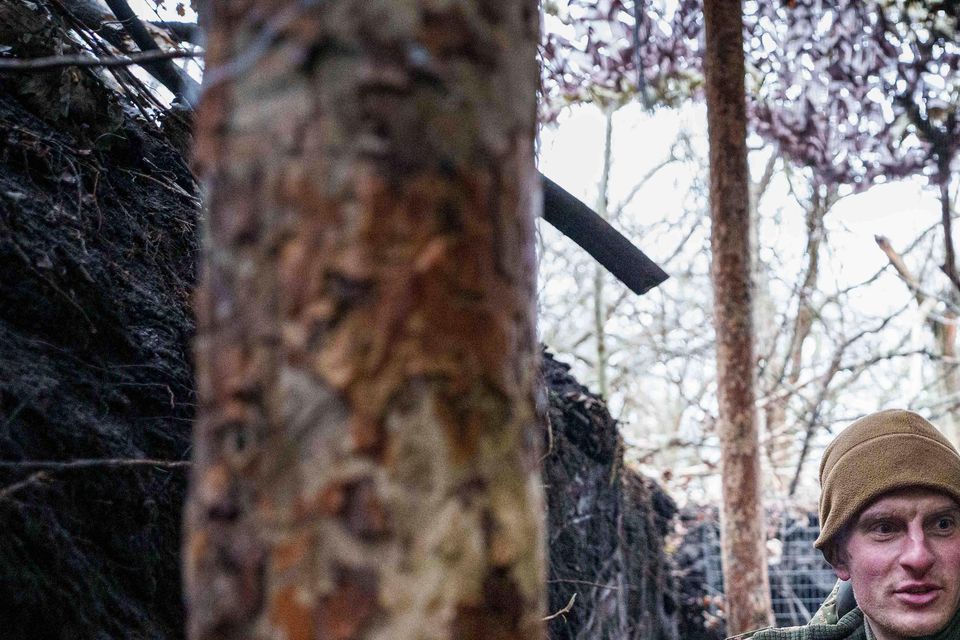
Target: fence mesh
(800,579)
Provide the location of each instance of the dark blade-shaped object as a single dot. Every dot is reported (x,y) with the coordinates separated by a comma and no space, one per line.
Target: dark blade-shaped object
(608,246)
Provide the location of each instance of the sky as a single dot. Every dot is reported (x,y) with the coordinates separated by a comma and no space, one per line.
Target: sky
(167,10)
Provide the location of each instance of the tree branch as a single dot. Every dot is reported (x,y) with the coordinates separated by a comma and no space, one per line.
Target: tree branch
(56,62)
(946,217)
(43,469)
(566,609)
(90,463)
(172,77)
(897,261)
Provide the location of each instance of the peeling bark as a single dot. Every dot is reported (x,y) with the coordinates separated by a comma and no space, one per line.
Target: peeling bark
(366,453)
(746,587)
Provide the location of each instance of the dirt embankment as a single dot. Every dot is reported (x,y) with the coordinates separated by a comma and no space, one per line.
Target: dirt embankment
(98,238)
(606,525)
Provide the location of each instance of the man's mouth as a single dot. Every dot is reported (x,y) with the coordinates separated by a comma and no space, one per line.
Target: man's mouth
(918,594)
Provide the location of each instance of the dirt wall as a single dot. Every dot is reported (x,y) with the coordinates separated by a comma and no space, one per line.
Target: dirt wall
(606,525)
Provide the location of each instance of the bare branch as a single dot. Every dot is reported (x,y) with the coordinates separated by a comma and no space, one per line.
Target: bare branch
(82,60)
(644,179)
(760,187)
(897,261)
(173,78)
(566,609)
(90,463)
(43,469)
(949,266)
(34,478)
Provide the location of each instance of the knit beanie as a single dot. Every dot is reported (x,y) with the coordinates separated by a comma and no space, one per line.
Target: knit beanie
(879,453)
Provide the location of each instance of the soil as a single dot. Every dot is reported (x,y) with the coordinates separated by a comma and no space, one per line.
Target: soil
(606,525)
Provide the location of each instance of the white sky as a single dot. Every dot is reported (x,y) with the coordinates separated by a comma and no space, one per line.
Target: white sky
(148,10)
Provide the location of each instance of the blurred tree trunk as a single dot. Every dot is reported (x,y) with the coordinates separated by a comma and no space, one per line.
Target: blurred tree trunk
(746,584)
(366,460)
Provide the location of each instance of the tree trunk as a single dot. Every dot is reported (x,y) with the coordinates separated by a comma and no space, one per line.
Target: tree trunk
(744,558)
(366,459)
(946,332)
(600,313)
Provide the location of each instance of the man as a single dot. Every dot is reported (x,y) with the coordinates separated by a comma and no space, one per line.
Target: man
(890,525)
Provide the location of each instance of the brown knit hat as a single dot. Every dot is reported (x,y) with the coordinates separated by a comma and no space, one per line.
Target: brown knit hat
(879,453)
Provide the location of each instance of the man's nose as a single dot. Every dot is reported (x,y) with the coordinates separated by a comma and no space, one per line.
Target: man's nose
(917,555)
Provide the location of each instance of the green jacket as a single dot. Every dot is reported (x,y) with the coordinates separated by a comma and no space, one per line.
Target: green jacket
(849,627)
(827,613)
(825,626)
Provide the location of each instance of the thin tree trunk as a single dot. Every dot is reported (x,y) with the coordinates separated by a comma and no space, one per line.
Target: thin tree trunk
(747,591)
(947,334)
(366,461)
(600,312)
(780,437)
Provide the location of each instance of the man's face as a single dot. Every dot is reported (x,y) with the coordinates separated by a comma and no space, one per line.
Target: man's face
(902,556)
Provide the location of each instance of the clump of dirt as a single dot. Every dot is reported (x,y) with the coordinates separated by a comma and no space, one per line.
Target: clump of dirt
(606,525)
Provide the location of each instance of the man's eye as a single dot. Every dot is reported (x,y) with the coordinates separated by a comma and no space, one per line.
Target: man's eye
(946,524)
(882,528)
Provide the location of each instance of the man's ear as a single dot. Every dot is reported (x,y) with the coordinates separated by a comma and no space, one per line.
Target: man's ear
(836,555)
(842,571)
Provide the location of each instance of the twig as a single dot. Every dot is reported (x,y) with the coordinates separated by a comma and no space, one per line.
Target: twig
(33,478)
(42,469)
(56,62)
(566,609)
(90,463)
(586,582)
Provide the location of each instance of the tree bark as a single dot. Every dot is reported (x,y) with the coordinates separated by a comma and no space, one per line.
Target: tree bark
(747,592)
(366,453)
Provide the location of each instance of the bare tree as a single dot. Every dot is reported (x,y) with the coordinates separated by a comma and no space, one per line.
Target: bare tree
(742,535)
(366,455)
(943,328)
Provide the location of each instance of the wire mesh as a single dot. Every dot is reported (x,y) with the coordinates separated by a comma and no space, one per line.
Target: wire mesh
(800,579)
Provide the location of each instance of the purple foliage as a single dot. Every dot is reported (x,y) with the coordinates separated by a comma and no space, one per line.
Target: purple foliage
(859,91)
